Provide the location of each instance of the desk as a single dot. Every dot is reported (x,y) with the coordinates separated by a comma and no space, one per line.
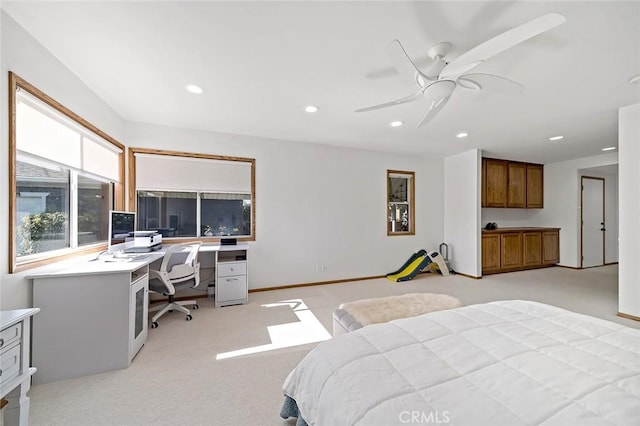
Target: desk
(15,374)
(94,314)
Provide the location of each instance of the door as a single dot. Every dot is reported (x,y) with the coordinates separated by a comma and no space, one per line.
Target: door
(593,229)
(517,185)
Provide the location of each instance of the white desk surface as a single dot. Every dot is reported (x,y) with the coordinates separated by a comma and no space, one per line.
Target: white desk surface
(8,318)
(109,264)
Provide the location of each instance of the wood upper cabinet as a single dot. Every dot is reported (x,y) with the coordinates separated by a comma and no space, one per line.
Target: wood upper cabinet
(491,252)
(532,248)
(511,184)
(535,186)
(496,183)
(517,185)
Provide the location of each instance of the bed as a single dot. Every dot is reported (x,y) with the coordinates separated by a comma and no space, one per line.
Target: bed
(500,363)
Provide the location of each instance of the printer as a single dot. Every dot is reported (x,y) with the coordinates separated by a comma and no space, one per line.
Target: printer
(143,242)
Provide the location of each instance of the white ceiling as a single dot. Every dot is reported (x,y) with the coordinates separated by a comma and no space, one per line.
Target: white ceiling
(261,62)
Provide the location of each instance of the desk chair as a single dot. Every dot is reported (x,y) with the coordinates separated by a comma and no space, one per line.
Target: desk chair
(179,266)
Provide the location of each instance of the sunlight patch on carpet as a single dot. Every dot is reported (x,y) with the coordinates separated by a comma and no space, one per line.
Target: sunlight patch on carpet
(307,330)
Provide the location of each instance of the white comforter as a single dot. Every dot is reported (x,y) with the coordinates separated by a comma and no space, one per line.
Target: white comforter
(501,363)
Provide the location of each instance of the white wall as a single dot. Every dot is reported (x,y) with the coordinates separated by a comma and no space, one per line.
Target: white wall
(23,55)
(610,176)
(462,180)
(562,202)
(317,204)
(629,199)
(506,218)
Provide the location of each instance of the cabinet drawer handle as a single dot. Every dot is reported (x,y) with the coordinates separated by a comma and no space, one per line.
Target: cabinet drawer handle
(0,372)
(232,279)
(1,343)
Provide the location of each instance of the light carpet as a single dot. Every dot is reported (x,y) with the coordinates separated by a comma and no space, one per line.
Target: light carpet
(195,373)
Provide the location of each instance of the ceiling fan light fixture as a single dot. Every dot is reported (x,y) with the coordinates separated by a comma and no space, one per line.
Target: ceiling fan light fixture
(556,138)
(194,88)
(462,135)
(609,148)
(396,123)
(311,109)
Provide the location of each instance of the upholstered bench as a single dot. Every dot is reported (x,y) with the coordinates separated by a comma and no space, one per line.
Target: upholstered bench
(354,315)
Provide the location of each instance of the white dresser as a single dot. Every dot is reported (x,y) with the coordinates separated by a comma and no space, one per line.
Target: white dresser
(232,280)
(15,366)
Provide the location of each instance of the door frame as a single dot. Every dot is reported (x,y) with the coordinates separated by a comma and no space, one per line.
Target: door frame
(582,178)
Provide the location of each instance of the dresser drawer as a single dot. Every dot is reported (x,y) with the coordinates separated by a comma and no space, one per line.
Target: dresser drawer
(229,269)
(10,363)
(10,335)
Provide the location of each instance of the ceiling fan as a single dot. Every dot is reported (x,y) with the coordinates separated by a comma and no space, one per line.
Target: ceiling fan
(438,82)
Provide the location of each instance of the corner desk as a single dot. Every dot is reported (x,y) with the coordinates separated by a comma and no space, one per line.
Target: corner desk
(94,313)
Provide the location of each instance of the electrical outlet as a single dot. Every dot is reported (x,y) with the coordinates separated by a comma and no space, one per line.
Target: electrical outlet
(323,268)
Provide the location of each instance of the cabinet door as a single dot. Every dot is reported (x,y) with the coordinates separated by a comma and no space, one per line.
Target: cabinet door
(490,253)
(531,248)
(496,187)
(511,250)
(550,247)
(535,186)
(517,185)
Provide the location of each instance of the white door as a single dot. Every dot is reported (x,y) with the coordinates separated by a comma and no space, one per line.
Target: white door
(593,229)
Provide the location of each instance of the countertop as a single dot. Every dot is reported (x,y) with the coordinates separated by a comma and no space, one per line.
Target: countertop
(519,229)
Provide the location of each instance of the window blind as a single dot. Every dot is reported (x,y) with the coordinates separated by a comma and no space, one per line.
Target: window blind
(165,172)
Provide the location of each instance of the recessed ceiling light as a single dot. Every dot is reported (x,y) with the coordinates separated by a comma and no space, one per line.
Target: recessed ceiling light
(556,138)
(462,135)
(397,123)
(194,89)
(609,148)
(635,79)
(311,108)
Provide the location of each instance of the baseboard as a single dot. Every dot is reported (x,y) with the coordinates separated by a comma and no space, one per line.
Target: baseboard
(468,276)
(346,280)
(610,263)
(627,316)
(575,268)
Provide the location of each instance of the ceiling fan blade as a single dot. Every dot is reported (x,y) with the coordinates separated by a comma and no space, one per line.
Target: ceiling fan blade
(436,106)
(491,83)
(437,95)
(500,43)
(406,99)
(402,62)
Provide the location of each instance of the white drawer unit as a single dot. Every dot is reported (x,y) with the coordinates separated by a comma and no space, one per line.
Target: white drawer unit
(232,284)
(15,369)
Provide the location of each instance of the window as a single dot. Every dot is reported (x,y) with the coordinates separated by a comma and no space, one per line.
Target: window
(64,174)
(204,196)
(400,203)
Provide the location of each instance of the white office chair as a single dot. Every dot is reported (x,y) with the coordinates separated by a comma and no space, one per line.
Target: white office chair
(179,265)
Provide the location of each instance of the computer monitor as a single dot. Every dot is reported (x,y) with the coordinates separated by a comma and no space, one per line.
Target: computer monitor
(121,226)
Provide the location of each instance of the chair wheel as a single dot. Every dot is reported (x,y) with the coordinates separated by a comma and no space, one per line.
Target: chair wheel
(195,306)
(189,317)
(154,324)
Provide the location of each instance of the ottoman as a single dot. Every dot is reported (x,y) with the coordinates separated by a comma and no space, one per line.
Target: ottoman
(354,315)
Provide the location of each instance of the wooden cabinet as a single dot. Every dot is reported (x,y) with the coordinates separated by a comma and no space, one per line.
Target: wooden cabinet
(496,182)
(531,248)
(516,249)
(510,250)
(550,247)
(535,186)
(511,184)
(491,252)
(516,185)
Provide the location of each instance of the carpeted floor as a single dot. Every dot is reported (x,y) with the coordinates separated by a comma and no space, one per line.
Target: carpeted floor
(226,367)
